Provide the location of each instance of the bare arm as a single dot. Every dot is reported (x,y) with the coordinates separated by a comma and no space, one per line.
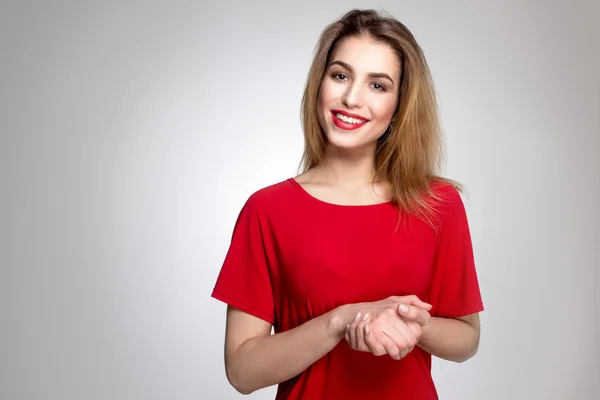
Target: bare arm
(255,359)
(451,339)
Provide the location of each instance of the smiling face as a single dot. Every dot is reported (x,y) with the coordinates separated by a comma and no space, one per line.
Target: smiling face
(359,92)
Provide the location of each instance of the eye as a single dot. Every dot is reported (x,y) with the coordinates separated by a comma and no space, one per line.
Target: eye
(339,76)
(378,86)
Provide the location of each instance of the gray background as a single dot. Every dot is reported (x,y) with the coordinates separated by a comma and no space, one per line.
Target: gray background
(133,132)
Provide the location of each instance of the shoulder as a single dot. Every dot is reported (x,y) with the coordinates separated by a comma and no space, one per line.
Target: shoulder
(269,196)
(446,199)
(446,192)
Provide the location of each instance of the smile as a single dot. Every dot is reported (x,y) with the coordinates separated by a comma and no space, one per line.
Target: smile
(347,122)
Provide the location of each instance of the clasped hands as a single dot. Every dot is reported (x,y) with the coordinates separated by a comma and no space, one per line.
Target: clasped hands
(391,326)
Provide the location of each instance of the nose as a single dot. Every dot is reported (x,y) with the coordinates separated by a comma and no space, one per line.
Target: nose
(353,98)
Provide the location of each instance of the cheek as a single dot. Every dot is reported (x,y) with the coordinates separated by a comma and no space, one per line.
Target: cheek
(330,92)
(383,108)
(323,100)
(324,94)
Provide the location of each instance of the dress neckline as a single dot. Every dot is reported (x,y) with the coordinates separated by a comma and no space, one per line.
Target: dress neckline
(302,190)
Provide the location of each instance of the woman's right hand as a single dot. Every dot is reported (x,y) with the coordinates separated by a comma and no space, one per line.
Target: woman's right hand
(380,329)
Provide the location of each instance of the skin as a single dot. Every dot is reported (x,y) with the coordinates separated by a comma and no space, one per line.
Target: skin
(453,339)
(362,78)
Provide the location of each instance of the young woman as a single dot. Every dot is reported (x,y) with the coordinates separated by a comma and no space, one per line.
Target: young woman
(363,264)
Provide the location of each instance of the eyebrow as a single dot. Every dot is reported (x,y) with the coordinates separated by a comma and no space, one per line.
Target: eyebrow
(379,75)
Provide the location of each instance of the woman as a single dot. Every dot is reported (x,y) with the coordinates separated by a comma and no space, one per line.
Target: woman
(363,264)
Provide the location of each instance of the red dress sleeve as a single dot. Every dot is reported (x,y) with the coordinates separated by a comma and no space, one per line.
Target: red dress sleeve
(455,291)
(244,280)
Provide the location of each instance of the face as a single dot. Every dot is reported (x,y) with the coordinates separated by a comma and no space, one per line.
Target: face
(359,92)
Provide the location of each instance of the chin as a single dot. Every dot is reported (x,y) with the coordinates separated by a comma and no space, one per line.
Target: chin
(348,141)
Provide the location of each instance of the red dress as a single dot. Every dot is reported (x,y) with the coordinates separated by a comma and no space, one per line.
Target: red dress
(293,257)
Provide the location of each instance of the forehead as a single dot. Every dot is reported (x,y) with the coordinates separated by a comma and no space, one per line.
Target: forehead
(366,55)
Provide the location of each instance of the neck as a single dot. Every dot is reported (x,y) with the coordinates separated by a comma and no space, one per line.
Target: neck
(345,168)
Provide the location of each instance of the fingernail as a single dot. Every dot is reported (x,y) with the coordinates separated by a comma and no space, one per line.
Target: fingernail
(348,326)
(357,316)
(366,316)
(403,308)
(367,329)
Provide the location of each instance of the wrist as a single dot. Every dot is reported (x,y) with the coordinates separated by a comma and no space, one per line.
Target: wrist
(340,317)
(427,330)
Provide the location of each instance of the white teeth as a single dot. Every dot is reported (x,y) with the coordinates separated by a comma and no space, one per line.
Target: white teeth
(350,120)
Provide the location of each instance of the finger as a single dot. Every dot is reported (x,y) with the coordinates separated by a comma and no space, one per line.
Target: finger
(409,335)
(416,329)
(347,334)
(398,341)
(414,313)
(360,333)
(404,353)
(389,340)
(415,301)
(353,342)
(373,342)
(352,334)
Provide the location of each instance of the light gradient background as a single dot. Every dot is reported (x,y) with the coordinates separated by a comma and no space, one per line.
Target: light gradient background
(133,132)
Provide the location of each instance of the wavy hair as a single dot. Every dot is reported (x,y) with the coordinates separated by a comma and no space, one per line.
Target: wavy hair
(409,154)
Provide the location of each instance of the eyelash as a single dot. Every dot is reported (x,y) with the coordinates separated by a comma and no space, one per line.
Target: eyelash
(338,74)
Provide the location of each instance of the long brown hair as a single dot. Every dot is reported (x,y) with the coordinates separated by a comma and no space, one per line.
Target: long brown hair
(409,155)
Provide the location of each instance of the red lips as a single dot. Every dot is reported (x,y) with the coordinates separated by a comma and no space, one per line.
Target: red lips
(347,125)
